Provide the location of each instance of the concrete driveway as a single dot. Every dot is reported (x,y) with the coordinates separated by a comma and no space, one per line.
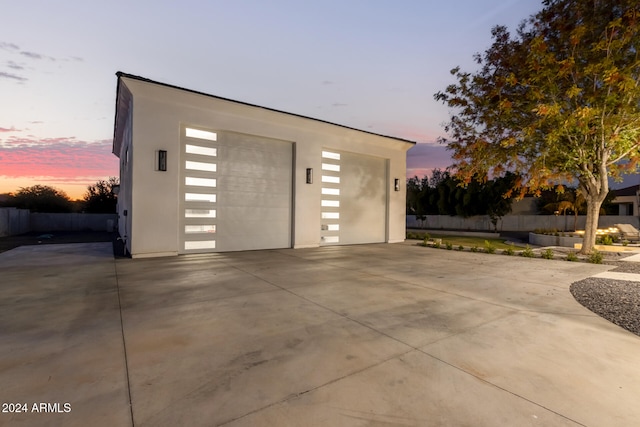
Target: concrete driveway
(372,335)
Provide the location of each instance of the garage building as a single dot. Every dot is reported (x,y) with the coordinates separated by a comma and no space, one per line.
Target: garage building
(200,173)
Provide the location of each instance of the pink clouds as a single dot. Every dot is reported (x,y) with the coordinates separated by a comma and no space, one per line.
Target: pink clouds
(64,161)
(423,158)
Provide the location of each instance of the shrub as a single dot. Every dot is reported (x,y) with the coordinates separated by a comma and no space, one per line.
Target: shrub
(571,256)
(460,248)
(527,252)
(474,249)
(607,240)
(449,245)
(625,242)
(488,247)
(425,241)
(436,244)
(547,253)
(509,251)
(595,257)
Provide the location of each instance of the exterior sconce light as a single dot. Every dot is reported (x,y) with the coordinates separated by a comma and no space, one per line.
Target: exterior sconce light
(309,176)
(162,160)
(396,184)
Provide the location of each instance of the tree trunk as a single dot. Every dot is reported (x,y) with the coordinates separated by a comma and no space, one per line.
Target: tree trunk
(591,226)
(595,190)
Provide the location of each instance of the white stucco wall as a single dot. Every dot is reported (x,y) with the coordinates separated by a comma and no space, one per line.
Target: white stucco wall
(158,114)
(125,194)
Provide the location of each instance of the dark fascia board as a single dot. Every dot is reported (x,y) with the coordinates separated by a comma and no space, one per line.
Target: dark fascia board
(120,74)
(627,191)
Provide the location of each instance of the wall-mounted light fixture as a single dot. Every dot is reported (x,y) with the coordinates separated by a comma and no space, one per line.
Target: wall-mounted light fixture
(162,160)
(309,176)
(396,184)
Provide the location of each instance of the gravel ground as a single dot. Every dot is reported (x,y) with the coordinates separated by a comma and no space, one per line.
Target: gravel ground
(618,301)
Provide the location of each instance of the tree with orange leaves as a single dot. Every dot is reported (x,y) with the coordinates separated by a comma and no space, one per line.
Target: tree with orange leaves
(558,102)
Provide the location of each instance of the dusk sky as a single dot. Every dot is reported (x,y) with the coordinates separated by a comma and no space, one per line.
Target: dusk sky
(373,65)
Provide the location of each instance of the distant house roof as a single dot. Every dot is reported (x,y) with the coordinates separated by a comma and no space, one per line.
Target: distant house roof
(123,102)
(627,191)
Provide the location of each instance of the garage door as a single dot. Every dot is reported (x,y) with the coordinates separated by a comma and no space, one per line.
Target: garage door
(236,192)
(354,198)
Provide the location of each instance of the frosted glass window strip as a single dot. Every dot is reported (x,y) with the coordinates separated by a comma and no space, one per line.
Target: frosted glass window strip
(331,239)
(201,134)
(330,203)
(199,213)
(198,197)
(202,244)
(203,151)
(200,182)
(331,179)
(331,191)
(200,166)
(331,155)
(192,229)
(333,227)
(330,167)
(330,215)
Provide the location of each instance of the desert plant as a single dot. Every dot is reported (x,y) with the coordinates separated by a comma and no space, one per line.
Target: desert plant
(547,253)
(449,245)
(527,252)
(607,240)
(488,247)
(437,244)
(509,251)
(425,241)
(460,248)
(571,256)
(595,257)
(474,249)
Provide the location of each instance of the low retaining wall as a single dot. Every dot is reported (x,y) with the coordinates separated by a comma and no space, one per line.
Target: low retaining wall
(487,234)
(547,240)
(516,222)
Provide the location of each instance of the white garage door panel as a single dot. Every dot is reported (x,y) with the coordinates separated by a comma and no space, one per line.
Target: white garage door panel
(250,200)
(252,195)
(245,184)
(363,199)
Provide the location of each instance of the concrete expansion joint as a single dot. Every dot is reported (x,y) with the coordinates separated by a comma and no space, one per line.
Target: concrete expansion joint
(484,380)
(124,342)
(294,396)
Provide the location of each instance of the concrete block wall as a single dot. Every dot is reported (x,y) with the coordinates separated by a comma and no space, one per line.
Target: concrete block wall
(72,222)
(19,221)
(13,221)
